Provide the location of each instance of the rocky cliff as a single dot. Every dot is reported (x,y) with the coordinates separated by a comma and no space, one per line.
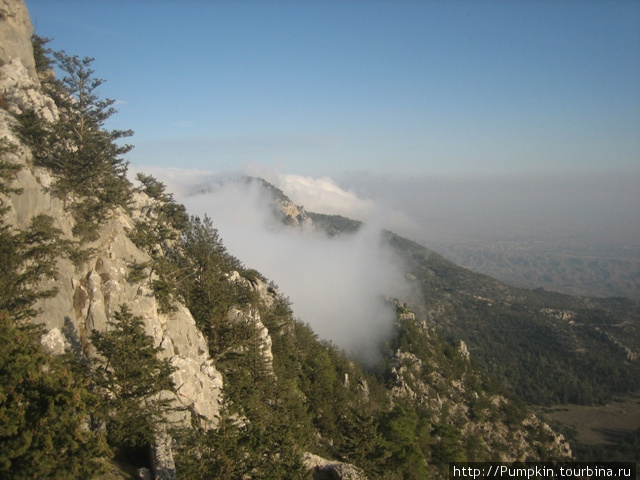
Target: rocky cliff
(294,406)
(89,293)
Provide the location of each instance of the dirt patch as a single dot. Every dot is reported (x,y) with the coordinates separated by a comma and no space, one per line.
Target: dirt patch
(603,424)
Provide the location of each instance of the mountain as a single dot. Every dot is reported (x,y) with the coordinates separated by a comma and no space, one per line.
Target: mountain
(548,347)
(130,332)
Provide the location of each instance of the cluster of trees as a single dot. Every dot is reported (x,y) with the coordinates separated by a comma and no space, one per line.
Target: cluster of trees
(60,415)
(51,407)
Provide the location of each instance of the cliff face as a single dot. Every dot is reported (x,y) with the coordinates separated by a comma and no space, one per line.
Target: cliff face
(15,32)
(292,393)
(88,294)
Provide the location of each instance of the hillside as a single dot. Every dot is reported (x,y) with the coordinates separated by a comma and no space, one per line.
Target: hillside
(548,347)
(141,343)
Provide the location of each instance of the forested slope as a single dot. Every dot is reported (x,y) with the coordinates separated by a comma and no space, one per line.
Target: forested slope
(158,349)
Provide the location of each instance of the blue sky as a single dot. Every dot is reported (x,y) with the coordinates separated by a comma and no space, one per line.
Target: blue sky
(322,88)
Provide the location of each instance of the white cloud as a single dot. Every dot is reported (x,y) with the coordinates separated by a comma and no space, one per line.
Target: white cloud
(337,284)
(179,181)
(319,195)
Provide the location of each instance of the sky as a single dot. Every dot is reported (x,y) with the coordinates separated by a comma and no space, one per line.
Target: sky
(435,119)
(328,88)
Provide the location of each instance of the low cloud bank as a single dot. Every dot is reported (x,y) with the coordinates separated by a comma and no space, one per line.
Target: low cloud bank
(588,209)
(320,195)
(339,285)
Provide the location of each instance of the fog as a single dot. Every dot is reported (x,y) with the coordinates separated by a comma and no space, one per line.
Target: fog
(339,285)
(590,208)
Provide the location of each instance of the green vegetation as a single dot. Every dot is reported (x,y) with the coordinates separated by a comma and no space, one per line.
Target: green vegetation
(7,170)
(90,174)
(42,54)
(548,347)
(424,404)
(43,407)
(26,257)
(129,377)
(334,224)
(58,417)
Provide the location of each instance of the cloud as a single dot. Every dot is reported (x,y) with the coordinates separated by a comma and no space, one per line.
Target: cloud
(179,181)
(319,195)
(339,285)
(336,284)
(585,209)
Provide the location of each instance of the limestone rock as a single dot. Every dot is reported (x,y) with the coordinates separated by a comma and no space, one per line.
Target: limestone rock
(324,469)
(15,35)
(19,83)
(89,294)
(451,399)
(144,474)
(54,342)
(464,350)
(267,293)
(164,467)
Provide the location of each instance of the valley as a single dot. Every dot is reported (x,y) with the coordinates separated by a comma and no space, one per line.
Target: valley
(567,266)
(600,432)
(598,424)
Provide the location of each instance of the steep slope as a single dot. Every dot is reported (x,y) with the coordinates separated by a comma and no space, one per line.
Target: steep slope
(435,386)
(89,292)
(255,392)
(549,347)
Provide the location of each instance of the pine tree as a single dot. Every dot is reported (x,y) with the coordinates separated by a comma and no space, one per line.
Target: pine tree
(8,170)
(43,408)
(41,54)
(129,376)
(84,156)
(26,259)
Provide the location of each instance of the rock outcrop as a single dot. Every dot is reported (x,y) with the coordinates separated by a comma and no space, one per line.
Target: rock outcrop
(15,35)
(324,469)
(451,390)
(88,294)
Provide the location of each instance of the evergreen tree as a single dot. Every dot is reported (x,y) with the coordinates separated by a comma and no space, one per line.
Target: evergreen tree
(170,217)
(8,170)
(26,259)
(41,54)
(43,408)
(130,376)
(84,156)
(203,284)
(400,429)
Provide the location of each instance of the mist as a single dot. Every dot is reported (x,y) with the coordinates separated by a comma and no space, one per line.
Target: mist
(592,209)
(339,285)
